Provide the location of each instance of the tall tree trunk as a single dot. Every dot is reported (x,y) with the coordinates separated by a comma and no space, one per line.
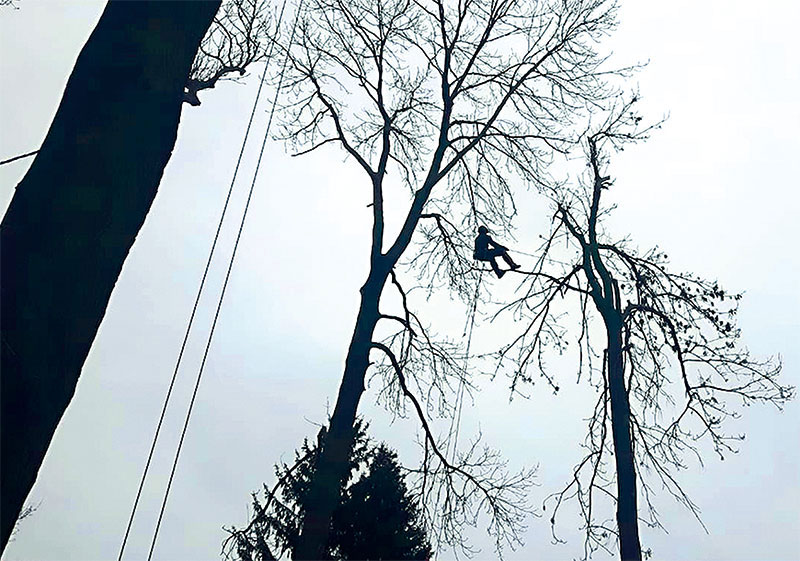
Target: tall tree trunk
(627,517)
(331,468)
(76,214)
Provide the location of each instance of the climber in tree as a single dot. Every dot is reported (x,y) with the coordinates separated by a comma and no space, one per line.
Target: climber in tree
(486,249)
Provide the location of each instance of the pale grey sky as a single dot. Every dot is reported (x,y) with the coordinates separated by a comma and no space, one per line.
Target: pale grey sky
(717,188)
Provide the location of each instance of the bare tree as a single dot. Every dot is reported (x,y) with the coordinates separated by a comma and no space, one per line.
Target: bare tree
(672,369)
(451,99)
(237,38)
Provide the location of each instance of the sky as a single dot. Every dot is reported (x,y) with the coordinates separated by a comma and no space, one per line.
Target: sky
(717,188)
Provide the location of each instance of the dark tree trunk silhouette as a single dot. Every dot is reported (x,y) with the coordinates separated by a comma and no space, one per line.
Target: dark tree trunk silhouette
(627,510)
(332,463)
(325,490)
(76,214)
(606,296)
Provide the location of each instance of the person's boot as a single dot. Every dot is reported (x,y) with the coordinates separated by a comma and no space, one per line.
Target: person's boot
(510,262)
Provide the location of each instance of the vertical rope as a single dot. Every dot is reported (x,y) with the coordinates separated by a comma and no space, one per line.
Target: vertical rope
(455,423)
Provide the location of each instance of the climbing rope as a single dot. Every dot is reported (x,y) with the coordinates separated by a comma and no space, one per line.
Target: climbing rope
(197,301)
(224,285)
(523,253)
(455,422)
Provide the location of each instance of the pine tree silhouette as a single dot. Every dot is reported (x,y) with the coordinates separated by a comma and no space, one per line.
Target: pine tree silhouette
(376,519)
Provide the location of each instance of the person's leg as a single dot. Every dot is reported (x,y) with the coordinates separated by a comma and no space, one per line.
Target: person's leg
(496,269)
(495,252)
(507,258)
(499,252)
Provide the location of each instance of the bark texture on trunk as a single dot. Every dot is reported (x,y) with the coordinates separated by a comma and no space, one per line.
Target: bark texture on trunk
(627,517)
(76,214)
(331,469)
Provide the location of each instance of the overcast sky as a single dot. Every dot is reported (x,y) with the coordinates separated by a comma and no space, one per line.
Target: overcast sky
(717,188)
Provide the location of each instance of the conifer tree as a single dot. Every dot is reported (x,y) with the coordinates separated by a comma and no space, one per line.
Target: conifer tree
(376,518)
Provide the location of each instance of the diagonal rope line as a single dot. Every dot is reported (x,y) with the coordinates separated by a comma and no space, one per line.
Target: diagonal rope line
(224,286)
(19,157)
(197,298)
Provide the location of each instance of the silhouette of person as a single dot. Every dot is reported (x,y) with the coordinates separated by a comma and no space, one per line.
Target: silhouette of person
(486,249)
